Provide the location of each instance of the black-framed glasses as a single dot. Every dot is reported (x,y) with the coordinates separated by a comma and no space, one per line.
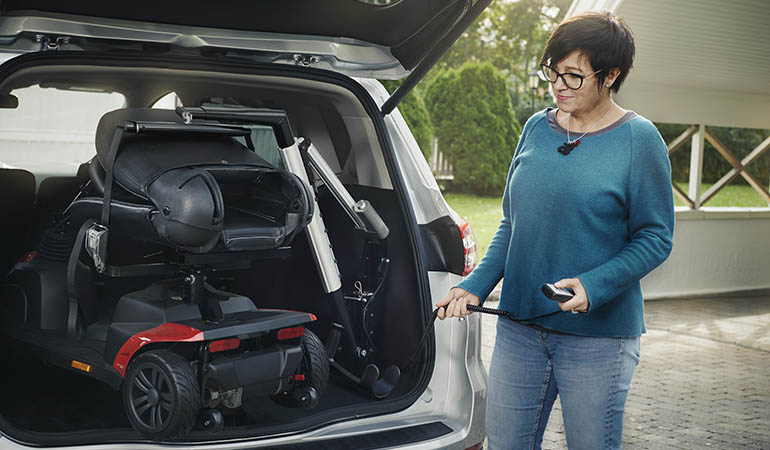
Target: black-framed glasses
(573,81)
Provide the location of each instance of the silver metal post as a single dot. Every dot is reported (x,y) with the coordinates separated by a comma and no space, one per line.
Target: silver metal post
(336,187)
(316,230)
(355,210)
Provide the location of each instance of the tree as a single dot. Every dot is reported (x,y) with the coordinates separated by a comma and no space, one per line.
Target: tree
(509,34)
(475,125)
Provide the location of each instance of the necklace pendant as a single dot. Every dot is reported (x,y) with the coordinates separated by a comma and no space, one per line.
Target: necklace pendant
(568,147)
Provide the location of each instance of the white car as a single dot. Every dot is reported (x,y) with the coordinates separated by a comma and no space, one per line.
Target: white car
(370,286)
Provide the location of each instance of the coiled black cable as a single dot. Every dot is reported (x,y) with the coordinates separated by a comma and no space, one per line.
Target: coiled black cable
(474,308)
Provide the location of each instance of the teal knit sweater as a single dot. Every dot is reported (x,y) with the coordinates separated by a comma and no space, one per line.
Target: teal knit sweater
(603,213)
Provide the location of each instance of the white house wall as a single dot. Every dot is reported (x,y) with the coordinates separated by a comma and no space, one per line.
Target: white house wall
(697,61)
(716,250)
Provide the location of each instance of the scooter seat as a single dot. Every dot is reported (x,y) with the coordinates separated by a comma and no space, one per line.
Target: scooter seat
(195,193)
(245,230)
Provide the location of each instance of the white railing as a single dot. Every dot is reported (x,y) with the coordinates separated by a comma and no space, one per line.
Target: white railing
(439,165)
(695,198)
(717,250)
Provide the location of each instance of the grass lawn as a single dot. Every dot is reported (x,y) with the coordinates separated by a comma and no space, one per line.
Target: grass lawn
(737,195)
(484,213)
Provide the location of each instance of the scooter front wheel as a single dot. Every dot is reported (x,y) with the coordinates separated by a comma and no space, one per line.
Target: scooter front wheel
(161,395)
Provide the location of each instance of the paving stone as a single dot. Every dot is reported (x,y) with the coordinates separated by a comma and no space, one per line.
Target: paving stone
(703,380)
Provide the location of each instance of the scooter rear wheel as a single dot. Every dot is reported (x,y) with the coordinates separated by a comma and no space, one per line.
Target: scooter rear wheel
(161,395)
(315,367)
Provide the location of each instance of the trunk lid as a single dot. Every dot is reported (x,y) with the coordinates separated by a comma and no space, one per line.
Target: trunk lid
(383,39)
(374,38)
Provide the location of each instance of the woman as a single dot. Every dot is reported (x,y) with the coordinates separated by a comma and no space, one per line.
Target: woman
(588,202)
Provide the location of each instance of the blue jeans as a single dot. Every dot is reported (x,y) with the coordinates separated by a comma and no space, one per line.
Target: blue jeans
(530,367)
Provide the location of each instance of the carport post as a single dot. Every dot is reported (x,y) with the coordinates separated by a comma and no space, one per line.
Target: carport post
(696,166)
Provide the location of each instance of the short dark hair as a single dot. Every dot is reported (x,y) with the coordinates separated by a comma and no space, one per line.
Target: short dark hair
(602,37)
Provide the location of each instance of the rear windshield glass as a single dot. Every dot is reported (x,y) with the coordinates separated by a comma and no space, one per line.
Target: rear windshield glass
(52,131)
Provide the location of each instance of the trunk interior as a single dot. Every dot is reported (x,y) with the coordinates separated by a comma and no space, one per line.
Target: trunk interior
(45,405)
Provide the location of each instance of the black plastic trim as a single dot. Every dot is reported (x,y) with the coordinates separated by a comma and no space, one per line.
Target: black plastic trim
(265,369)
(247,323)
(225,65)
(390,439)
(369,441)
(443,246)
(59,352)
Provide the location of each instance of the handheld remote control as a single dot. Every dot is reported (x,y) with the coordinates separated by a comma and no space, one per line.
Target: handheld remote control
(558,294)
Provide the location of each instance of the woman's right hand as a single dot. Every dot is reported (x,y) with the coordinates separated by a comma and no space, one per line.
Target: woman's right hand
(454,304)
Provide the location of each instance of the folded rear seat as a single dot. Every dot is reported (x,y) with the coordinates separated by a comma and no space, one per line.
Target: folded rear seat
(17,203)
(56,193)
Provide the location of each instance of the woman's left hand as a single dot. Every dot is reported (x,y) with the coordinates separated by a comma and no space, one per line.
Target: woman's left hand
(578,303)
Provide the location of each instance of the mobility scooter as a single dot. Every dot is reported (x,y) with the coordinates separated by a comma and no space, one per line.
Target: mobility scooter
(127,286)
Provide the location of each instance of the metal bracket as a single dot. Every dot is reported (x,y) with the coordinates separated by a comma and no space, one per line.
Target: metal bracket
(306,60)
(46,44)
(96,245)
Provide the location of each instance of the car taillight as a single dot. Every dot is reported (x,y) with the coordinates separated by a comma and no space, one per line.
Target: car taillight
(470,249)
(224,345)
(290,333)
(478,446)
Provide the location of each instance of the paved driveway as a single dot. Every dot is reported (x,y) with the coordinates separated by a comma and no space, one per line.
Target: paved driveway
(703,381)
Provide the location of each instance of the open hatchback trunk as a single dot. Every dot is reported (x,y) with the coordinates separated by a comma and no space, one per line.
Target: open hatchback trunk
(252,229)
(387,39)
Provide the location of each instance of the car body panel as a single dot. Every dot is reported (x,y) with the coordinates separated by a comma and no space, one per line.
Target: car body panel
(429,204)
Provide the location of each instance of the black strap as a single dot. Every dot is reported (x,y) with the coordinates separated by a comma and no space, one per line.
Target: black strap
(481,309)
(249,142)
(109,165)
(422,339)
(72,266)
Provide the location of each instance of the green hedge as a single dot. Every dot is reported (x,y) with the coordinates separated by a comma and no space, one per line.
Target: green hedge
(475,125)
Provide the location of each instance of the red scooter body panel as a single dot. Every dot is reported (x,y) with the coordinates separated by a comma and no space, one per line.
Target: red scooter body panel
(167,332)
